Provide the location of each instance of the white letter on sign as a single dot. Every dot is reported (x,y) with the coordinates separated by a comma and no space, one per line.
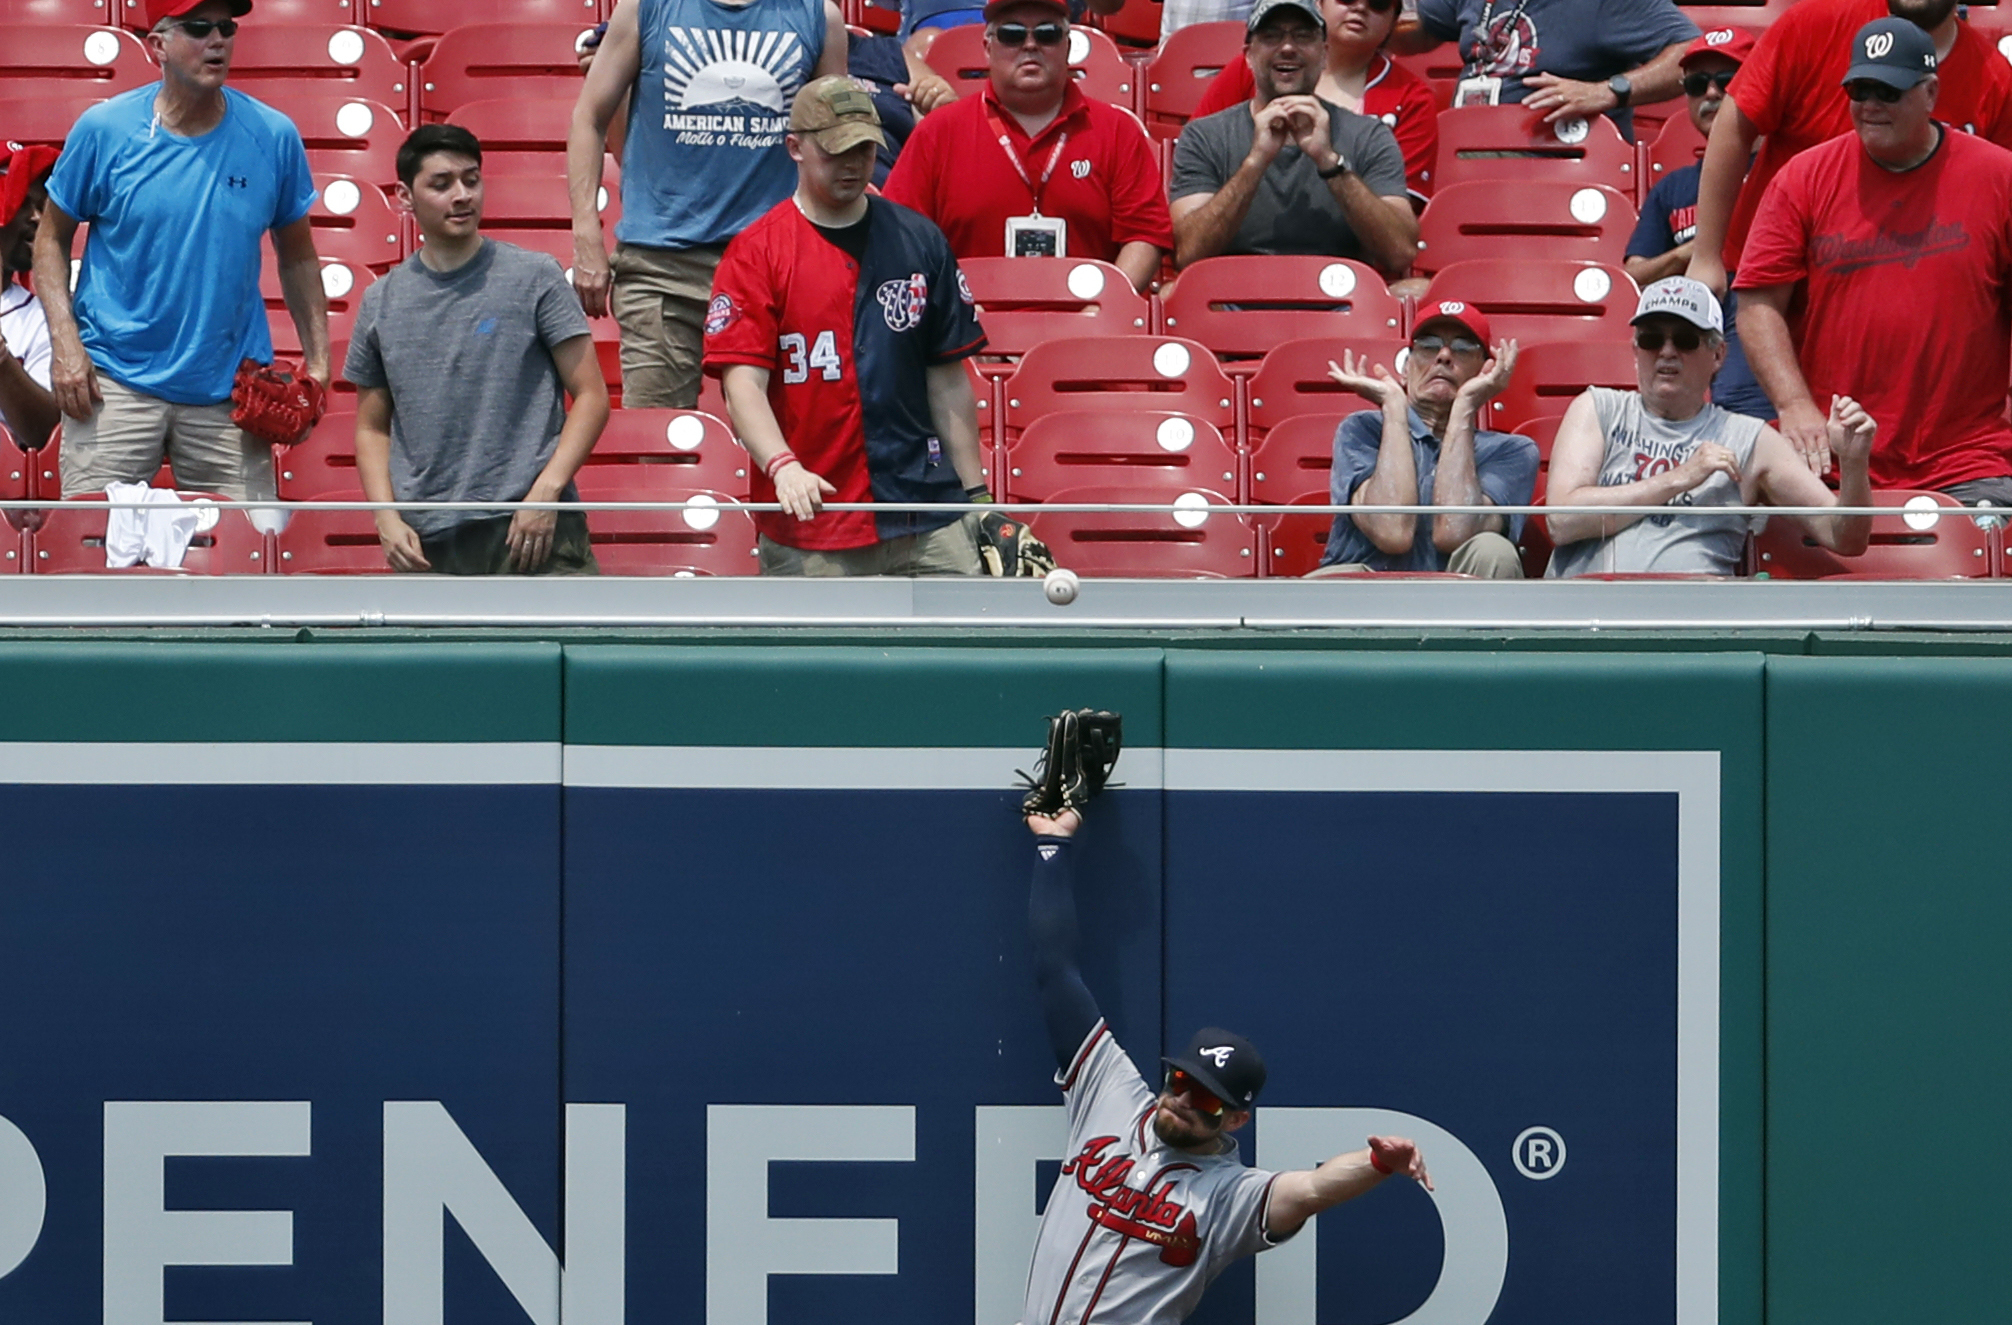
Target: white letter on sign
(1470,1213)
(143,1237)
(24,1197)
(431,1169)
(744,1246)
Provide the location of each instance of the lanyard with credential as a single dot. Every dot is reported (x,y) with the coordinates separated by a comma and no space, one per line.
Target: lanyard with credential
(1006,144)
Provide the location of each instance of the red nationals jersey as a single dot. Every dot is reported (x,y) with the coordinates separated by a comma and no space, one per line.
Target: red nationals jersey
(848,344)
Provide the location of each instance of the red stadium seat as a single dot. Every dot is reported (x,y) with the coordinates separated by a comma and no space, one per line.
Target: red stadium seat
(433,17)
(1440,66)
(687,447)
(1181,71)
(1509,143)
(1928,542)
(343,283)
(717,538)
(330,542)
(1118,374)
(1537,219)
(490,60)
(1755,16)
(1292,380)
(272,62)
(1145,450)
(72,541)
(60,13)
(958,54)
(344,135)
(1241,307)
(878,18)
(1544,432)
(520,135)
(1137,23)
(314,13)
(1024,301)
(1679,144)
(1534,300)
(1295,460)
(1293,544)
(45,120)
(354,222)
(1549,377)
(70,63)
(1187,544)
(538,202)
(323,461)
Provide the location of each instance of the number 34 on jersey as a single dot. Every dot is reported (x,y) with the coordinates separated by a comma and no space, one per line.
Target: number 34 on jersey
(800,357)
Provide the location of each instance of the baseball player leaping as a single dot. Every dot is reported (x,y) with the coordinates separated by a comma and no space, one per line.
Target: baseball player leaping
(1153,1201)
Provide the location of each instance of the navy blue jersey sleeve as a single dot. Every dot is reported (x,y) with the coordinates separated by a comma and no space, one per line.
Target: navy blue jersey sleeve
(1066,1003)
(954,332)
(1652,237)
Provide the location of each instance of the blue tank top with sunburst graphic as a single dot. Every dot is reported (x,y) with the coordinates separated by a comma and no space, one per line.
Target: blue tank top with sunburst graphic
(705,156)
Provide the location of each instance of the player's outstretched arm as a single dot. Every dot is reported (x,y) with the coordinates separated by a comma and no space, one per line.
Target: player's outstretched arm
(1066,1002)
(1303,1193)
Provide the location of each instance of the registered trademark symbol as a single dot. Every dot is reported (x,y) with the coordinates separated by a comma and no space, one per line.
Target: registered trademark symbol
(1539,1153)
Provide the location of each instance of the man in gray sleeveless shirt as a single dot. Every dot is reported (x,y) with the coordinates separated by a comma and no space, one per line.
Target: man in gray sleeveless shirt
(1665,445)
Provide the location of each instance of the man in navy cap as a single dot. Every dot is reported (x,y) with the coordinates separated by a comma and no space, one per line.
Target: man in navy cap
(1878,268)
(1169,1204)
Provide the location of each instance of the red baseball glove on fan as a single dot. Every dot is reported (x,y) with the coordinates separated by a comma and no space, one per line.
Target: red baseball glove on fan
(278,404)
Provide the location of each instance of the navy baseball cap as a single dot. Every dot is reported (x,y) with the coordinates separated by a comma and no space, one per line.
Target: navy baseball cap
(1264,9)
(1227,1064)
(1891,51)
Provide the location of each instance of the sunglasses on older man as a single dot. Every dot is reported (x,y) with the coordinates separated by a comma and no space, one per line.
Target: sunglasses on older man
(1045,34)
(1686,339)
(201,28)
(1696,85)
(1872,89)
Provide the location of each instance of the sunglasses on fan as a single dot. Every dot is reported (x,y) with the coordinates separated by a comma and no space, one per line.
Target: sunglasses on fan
(201,28)
(1696,85)
(1686,339)
(1044,34)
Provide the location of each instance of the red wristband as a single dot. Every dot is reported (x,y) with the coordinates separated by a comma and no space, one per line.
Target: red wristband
(777,462)
(1377,1164)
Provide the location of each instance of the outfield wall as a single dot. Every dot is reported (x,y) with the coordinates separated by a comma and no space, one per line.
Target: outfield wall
(373,982)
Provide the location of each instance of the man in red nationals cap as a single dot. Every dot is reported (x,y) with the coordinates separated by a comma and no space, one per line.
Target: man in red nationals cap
(180,181)
(1423,445)
(27,406)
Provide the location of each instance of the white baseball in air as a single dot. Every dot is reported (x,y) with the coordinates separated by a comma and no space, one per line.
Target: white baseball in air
(1060,585)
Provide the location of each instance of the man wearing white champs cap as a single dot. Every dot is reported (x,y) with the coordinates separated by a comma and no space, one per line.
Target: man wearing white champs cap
(1665,445)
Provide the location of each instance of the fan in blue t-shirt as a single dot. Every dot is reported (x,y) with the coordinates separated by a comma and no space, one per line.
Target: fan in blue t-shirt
(1661,244)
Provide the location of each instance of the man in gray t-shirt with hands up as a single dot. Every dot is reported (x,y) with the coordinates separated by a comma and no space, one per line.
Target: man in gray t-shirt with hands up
(1290,173)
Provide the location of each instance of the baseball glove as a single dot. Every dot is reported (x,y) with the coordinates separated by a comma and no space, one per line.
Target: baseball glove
(1008,548)
(1076,764)
(279,404)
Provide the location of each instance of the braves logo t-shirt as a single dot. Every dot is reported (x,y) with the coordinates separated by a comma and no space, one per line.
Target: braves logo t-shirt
(1135,1230)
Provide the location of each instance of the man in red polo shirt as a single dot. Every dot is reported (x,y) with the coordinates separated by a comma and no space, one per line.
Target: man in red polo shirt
(1789,91)
(1078,179)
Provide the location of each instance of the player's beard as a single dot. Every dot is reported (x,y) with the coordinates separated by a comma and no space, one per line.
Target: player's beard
(1168,1126)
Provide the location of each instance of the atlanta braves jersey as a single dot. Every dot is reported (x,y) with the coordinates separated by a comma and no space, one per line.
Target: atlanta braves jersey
(1135,1229)
(847,343)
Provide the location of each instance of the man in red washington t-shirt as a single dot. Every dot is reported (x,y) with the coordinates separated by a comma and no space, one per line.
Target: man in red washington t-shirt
(1900,237)
(1031,145)
(1788,90)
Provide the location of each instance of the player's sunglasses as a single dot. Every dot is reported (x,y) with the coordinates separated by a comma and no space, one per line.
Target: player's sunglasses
(201,28)
(1434,344)
(1205,1102)
(1686,339)
(1696,85)
(1016,34)
(1872,89)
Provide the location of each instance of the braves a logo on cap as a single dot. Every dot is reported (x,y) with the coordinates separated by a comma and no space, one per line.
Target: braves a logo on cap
(904,302)
(720,314)
(1221,1054)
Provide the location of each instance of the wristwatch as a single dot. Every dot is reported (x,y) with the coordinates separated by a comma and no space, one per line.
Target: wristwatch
(1340,167)
(1621,88)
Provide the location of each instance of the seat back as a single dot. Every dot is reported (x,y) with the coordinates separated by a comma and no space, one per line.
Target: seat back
(524,135)
(713,536)
(353,221)
(71,540)
(323,461)
(1292,380)
(1924,540)
(62,13)
(1191,543)
(1295,462)
(68,63)
(1754,16)
(337,60)
(1676,145)
(1293,543)
(1241,307)
(342,282)
(1537,219)
(330,542)
(1182,69)
(1512,144)
(1542,299)
(343,134)
(1549,377)
(319,13)
(487,60)
(681,446)
(1099,68)
(1024,301)
(45,120)
(537,202)
(1441,67)
(433,17)
(1146,451)
(1119,374)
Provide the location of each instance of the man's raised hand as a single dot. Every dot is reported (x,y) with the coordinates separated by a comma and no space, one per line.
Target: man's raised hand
(1371,381)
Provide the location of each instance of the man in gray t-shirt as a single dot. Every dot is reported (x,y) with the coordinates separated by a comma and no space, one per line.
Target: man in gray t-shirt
(462,357)
(1290,173)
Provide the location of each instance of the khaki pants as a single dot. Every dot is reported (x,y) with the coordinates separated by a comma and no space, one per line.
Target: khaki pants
(951,550)
(479,547)
(126,440)
(659,302)
(1485,556)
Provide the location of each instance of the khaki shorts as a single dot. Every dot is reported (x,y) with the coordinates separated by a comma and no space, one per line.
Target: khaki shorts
(951,550)
(129,436)
(659,302)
